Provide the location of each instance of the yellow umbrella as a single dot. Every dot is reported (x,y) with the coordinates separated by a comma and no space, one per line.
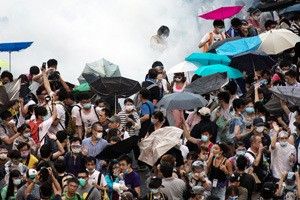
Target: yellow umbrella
(4,64)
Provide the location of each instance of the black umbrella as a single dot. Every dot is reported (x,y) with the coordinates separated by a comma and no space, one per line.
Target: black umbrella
(215,45)
(275,5)
(118,149)
(250,61)
(207,84)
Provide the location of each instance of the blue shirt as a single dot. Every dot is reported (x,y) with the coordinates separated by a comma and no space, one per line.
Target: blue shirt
(94,149)
(147,108)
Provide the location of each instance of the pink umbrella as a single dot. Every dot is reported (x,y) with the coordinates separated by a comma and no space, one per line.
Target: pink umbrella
(222,13)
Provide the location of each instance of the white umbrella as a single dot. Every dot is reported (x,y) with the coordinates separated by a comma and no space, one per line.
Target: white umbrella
(182,67)
(276,41)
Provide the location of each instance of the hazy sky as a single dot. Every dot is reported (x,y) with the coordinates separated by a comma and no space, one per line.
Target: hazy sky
(77,31)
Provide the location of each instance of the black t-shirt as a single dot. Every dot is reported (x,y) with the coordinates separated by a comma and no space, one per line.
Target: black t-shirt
(247,181)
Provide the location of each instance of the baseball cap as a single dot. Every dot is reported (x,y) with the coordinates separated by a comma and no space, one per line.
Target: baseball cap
(204,111)
(114,118)
(258,122)
(198,163)
(32,173)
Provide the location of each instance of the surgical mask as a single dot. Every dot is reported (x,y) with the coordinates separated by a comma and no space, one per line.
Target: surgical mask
(204,138)
(221,30)
(76,150)
(87,106)
(3,156)
(26,134)
(178,79)
(154,121)
(25,154)
(45,118)
(99,135)
(283,143)
(240,152)
(249,110)
(154,191)
(17,182)
(129,108)
(233,198)
(260,129)
(90,170)
(82,182)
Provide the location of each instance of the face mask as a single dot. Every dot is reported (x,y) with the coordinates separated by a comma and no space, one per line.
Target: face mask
(26,135)
(129,108)
(154,121)
(260,129)
(46,117)
(221,30)
(240,152)
(87,106)
(249,110)
(82,182)
(90,170)
(178,79)
(233,198)
(25,154)
(76,150)
(3,156)
(154,191)
(17,182)
(99,135)
(204,138)
(263,82)
(283,143)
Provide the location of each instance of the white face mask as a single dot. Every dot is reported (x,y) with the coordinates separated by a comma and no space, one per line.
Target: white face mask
(76,150)
(154,191)
(283,143)
(260,129)
(178,79)
(129,108)
(99,135)
(17,182)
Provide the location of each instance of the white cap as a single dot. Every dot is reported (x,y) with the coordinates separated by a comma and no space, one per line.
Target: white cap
(32,173)
(204,111)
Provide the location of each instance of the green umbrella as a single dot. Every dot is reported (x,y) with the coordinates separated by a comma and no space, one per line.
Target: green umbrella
(232,73)
(84,87)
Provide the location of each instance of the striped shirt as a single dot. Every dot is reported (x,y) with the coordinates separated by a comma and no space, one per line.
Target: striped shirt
(135,128)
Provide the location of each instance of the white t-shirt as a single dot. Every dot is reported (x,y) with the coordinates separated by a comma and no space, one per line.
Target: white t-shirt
(93,178)
(44,127)
(61,115)
(280,159)
(88,118)
(215,37)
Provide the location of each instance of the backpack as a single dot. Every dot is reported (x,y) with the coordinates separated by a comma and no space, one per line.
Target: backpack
(70,125)
(34,129)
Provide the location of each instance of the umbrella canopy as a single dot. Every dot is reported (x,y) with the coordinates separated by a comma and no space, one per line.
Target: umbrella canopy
(115,86)
(290,94)
(222,13)
(215,45)
(239,46)
(182,100)
(14,46)
(275,5)
(291,9)
(13,89)
(116,150)
(102,68)
(213,69)
(182,67)
(252,60)
(158,143)
(276,41)
(84,87)
(207,59)
(207,84)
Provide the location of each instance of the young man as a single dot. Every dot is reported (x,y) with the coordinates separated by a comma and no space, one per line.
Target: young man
(132,179)
(218,34)
(71,193)
(291,78)
(95,177)
(85,190)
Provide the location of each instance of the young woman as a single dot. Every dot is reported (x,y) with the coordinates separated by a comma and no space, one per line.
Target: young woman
(9,192)
(111,178)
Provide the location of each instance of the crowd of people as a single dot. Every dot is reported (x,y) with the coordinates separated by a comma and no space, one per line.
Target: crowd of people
(235,147)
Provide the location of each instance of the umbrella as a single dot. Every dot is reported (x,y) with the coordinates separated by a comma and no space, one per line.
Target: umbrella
(274,106)
(13,89)
(84,87)
(290,94)
(252,60)
(102,68)
(182,100)
(213,69)
(158,143)
(207,59)
(182,67)
(275,5)
(276,41)
(217,44)
(235,47)
(11,47)
(291,9)
(222,13)
(207,84)
(118,149)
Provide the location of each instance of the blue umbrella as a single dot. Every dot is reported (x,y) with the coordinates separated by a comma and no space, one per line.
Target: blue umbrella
(291,9)
(14,46)
(213,69)
(207,59)
(239,46)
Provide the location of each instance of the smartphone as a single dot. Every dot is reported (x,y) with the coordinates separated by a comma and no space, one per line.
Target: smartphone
(43,66)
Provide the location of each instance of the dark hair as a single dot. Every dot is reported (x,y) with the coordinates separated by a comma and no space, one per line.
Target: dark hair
(10,188)
(225,148)
(110,168)
(236,22)
(269,23)
(125,158)
(40,111)
(22,128)
(5,115)
(40,90)
(145,93)
(166,170)
(112,133)
(291,73)
(23,144)
(180,75)
(239,143)
(7,74)
(259,107)
(45,150)
(163,30)
(73,180)
(231,87)
(238,103)
(46,190)
(14,154)
(285,63)
(61,135)
(63,95)
(90,159)
(106,111)
(34,70)
(75,139)
(52,63)
(24,78)
(241,163)
(152,73)
(225,96)
(157,64)
(232,190)
(98,101)
(83,96)
(159,115)
(115,139)
(60,166)
(218,23)
(128,100)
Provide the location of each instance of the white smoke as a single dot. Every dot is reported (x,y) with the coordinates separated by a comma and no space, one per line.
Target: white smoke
(76,32)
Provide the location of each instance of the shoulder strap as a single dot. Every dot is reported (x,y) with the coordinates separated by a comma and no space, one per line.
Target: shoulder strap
(146,103)
(99,178)
(89,194)
(96,113)
(151,86)
(252,154)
